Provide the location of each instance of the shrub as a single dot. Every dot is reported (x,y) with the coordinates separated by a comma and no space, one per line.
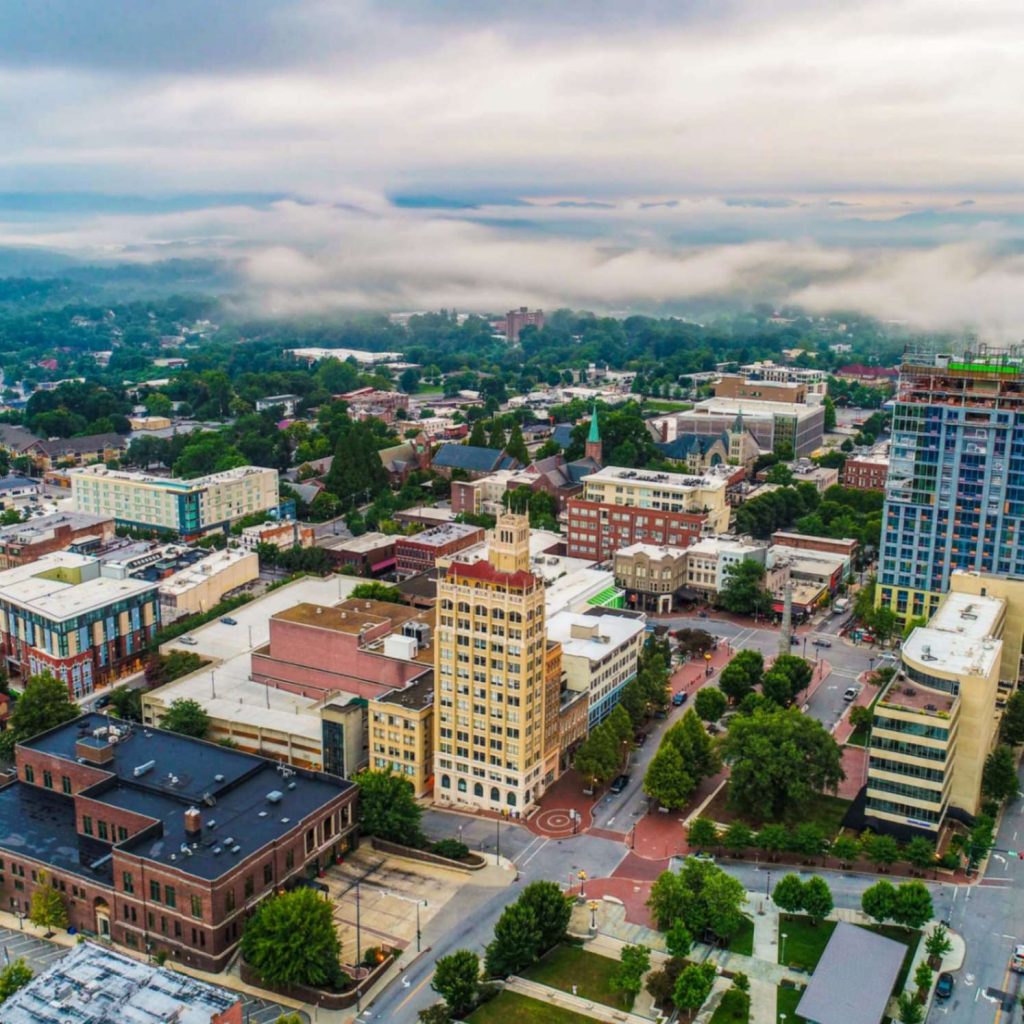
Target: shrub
(450,848)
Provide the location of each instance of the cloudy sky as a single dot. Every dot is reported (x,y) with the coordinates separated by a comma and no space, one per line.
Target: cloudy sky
(401,154)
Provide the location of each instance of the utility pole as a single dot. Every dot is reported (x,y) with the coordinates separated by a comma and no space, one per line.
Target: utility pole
(786,633)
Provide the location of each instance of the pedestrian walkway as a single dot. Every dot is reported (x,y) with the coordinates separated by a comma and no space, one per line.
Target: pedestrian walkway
(556,997)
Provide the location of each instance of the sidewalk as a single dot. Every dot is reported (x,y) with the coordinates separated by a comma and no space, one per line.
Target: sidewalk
(556,997)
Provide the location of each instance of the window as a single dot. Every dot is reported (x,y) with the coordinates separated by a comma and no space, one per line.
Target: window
(128,884)
(197,906)
(229,900)
(478,790)
(65,784)
(169,896)
(122,833)
(30,773)
(250,887)
(268,874)
(48,779)
(87,824)
(310,840)
(154,891)
(289,860)
(102,829)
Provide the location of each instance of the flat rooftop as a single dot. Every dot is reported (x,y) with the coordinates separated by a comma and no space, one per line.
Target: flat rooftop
(904,692)
(204,570)
(656,479)
(178,773)
(757,408)
(92,984)
(357,545)
(45,527)
(576,587)
(652,550)
(171,483)
(352,616)
(728,545)
(415,696)
(610,633)
(438,536)
(951,652)
(968,615)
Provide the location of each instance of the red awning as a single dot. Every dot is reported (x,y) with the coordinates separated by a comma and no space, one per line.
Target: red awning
(386,564)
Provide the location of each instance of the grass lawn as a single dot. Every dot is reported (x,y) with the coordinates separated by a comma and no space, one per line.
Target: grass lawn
(566,966)
(743,940)
(662,405)
(512,1008)
(804,943)
(430,389)
(825,811)
(786,1003)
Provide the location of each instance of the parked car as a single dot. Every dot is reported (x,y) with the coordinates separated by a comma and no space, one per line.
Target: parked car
(794,640)
(640,739)
(619,783)
(702,614)
(851,693)
(102,701)
(678,699)
(188,641)
(819,642)
(228,621)
(944,988)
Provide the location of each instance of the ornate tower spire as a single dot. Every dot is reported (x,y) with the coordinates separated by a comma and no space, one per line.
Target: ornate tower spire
(593,448)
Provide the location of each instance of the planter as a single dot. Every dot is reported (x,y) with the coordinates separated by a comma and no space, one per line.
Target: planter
(318,996)
(474,862)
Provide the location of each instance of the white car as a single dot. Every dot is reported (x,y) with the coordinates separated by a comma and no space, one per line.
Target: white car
(189,641)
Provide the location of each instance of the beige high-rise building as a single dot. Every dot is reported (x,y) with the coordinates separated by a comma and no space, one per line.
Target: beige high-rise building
(489,668)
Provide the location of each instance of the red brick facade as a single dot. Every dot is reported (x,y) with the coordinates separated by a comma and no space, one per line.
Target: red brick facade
(414,555)
(865,475)
(597,531)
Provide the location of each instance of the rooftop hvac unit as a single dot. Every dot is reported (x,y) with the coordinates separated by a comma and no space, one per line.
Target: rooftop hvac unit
(141,769)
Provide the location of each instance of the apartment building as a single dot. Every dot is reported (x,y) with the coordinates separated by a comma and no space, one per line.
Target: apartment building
(159,842)
(600,651)
(422,551)
(490,672)
(867,470)
(517,319)
(938,718)
(620,506)
(954,496)
(189,508)
(61,614)
(402,733)
(75,451)
(284,534)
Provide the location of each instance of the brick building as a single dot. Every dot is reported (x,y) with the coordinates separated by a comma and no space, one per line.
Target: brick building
(422,551)
(160,842)
(517,319)
(867,470)
(361,647)
(27,542)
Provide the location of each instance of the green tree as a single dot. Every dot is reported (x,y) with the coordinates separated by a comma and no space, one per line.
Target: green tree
(788,894)
(1012,724)
(356,473)
(15,975)
(772,839)
(497,440)
(632,699)
(860,717)
(516,446)
(667,780)
(43,704)
(830,413)
(882,850)
(883,623)
(700,894)
(634,963)
(999,776)
(187,717)
(908,1009)
(808,840)
(376,591)
(744,591)
(551,910)
(817,901)
(457,980)
(693,986)
(923,977)
(738,837)
(845,849)
(777,687)
(920,853)
(781,760)
(516,942)
(436,1014)
(697,749)
(913,906)
(126,702)
(678,940)
(388,808)
(597,758)
(710,703)
(289,1018)
(291,940)
(702,833)
(477,436)
(879,901)
(779,474)
(981,838)
(937,944)
(46,908)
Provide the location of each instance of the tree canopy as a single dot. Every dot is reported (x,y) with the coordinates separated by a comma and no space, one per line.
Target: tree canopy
(388,808)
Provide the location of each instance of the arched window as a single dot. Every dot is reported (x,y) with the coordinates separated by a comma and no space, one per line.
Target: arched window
(495,795)
(463,606)
(478,790)
(446,782)
(511,799)
(462,785)
(481,610)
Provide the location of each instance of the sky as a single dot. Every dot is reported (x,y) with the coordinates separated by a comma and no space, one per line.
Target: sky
(864,154)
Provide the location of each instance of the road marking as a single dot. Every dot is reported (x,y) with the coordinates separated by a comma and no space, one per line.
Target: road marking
(523,863)
(414,991)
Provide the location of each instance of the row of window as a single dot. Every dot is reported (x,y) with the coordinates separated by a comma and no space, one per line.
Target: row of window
(478,790)
(65,781)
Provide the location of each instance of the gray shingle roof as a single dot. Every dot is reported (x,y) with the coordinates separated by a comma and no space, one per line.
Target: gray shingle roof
(78,445)
(854,978)
(468,457)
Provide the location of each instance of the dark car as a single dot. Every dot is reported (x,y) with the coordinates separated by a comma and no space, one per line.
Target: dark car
(702,614)
(228,621)
(944,989)
(794,640)
(679,698)
(103,700)
(619,783)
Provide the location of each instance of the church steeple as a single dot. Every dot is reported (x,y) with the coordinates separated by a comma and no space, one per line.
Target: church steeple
(593,447)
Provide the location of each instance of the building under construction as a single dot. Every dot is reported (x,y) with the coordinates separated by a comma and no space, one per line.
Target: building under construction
(955,489)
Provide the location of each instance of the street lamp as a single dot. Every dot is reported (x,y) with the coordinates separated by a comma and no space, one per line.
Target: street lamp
(782,952)
(409,899)
(767,883)
(582,876)
(593,914)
